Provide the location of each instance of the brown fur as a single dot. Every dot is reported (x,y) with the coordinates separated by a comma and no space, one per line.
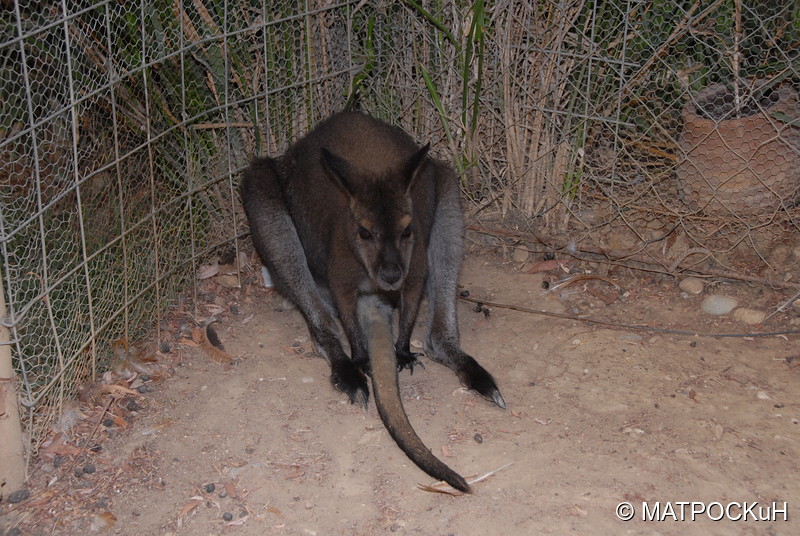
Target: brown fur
(353,221)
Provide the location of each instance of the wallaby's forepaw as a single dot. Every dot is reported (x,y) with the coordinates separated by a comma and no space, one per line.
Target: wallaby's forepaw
(408,360)
(348,378)
(364,366)
(475,377)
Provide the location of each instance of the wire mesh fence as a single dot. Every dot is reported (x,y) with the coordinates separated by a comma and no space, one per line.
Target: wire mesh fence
(653,133)
(124,126)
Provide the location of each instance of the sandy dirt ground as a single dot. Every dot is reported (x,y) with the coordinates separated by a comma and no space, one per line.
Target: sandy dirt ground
(596,417)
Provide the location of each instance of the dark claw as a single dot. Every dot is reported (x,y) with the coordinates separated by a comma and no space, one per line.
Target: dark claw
(348,378)
(498,399)
(360,398)
(408,360)
(475,377)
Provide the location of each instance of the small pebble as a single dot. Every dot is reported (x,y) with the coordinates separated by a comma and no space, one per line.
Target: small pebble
(165,348)
(465,294)
(210,487)
(132,406)
(718,304)
(89,468)
(478,438)
(749,316)
(19,496)
(691,285)
(717,430)
(108,423)
(223,494)
(234,310)
(520,255)
(227,516)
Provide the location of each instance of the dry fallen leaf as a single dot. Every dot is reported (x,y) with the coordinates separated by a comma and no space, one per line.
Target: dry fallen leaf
(157,427)
(543,266)
(58,445)
(230,489)
(201,338)
(444,487)
(118,391)
(191,505)
(103,522)
(207,270)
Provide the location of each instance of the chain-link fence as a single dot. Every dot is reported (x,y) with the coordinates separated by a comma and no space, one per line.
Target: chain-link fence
(658,134)
(124,126)
(662,135)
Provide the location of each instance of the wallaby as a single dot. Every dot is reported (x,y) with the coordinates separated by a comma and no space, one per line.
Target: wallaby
(353,221)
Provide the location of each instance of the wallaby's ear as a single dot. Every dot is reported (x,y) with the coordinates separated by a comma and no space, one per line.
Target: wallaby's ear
(414,164)
(338,169)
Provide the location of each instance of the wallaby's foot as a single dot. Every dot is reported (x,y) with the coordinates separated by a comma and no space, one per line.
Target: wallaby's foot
(348,378)
(473,376)
(408,360)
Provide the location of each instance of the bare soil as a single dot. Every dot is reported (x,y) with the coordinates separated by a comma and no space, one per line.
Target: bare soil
(596,416)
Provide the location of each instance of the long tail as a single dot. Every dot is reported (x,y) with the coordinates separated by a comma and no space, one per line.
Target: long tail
(374,316)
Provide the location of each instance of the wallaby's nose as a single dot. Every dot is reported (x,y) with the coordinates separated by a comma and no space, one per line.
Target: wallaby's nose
(391,273)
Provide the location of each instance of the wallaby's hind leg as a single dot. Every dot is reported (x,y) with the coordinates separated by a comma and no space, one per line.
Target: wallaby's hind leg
(444,260)
(275,238)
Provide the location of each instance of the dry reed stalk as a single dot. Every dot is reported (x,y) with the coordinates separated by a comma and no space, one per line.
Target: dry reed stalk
(537,146)
(559,170)
(327,67)
(514,135)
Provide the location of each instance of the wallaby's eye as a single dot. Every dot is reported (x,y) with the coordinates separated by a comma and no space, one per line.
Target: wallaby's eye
(406,232)
(364,233)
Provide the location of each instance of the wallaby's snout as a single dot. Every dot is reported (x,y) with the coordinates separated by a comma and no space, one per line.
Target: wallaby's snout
(391,276)
(390,269)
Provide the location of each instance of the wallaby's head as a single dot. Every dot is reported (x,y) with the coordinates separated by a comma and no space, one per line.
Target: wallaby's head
(380,228)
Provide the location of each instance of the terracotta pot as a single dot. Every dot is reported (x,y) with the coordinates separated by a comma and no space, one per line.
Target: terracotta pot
(746,166)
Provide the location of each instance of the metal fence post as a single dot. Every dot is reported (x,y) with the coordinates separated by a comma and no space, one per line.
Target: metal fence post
(12,455)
